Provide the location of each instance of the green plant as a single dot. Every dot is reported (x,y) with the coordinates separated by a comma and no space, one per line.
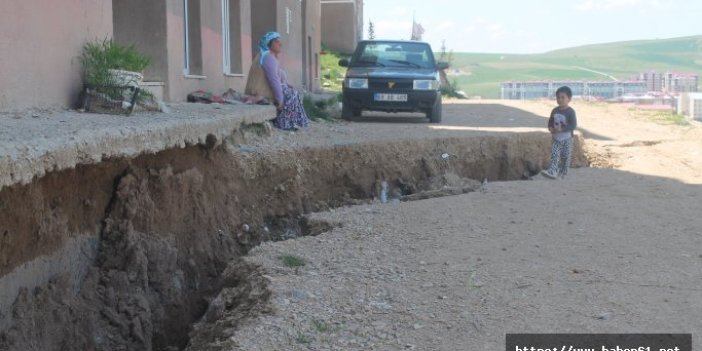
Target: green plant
(99,56)
(321,326)
(146,97)
(332,73)
(302,338)
(292,261)
(450,90)
(665,117)
(319,109)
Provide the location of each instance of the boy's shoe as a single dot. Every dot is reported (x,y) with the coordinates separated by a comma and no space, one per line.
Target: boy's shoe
(547,173)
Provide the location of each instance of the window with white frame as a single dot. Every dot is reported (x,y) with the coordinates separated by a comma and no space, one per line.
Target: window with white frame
(231,37)
(192,38)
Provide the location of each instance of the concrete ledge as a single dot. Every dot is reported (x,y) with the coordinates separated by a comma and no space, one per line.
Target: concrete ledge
(32,145)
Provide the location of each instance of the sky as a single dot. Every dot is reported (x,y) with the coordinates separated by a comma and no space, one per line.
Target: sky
(532,26)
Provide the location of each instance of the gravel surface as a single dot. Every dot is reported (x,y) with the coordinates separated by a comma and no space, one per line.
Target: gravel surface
(460,120)
(457,273)
(605,250)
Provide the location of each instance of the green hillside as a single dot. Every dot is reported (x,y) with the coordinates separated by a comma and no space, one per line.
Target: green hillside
(481,74)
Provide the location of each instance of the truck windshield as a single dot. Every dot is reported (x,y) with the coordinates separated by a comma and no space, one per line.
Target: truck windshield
(393,54)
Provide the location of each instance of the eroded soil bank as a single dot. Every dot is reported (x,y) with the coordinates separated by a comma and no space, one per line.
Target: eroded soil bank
(128,254)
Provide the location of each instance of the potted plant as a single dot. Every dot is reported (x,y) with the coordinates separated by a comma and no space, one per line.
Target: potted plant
(106,62)
(112,72)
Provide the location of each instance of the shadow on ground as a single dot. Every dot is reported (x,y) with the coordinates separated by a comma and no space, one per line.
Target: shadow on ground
(468,115)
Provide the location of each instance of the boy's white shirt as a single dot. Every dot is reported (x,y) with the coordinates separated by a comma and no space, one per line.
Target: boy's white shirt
(560,121)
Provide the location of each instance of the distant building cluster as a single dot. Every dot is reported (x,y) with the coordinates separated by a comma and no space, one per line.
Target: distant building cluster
(648,82)
(672,90)
(527,90)
(670,82)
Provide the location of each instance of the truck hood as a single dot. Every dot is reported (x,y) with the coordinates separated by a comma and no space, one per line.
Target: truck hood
(391,72)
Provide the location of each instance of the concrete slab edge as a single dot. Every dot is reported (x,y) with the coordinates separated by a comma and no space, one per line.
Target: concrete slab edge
(93,146)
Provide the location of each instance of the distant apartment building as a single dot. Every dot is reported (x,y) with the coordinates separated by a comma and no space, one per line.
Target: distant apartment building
(654,81)
(690,105)
(526,90)
(681,82)
(671,82)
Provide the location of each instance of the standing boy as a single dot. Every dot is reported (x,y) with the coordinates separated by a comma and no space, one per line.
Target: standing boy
(561,124)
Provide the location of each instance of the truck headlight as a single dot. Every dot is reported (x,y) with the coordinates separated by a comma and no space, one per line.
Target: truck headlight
(357,83)
(425,84)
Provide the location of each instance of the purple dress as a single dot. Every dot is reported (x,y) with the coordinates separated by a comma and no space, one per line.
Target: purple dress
(293,115)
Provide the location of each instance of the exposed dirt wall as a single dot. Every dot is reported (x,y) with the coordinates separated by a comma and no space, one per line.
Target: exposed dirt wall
(167,225)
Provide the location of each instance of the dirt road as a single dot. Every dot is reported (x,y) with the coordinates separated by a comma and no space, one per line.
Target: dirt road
(606,250)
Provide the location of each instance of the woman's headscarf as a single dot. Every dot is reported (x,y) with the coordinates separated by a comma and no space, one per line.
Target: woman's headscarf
(263,44)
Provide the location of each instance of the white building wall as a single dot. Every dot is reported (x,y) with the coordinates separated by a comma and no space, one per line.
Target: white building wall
(690,105)
(696,107)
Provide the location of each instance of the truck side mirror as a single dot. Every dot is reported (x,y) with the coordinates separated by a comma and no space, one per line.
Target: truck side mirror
(344,62)
(442,65)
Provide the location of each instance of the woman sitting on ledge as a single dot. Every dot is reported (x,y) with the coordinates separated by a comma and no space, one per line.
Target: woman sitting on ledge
(268,79)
